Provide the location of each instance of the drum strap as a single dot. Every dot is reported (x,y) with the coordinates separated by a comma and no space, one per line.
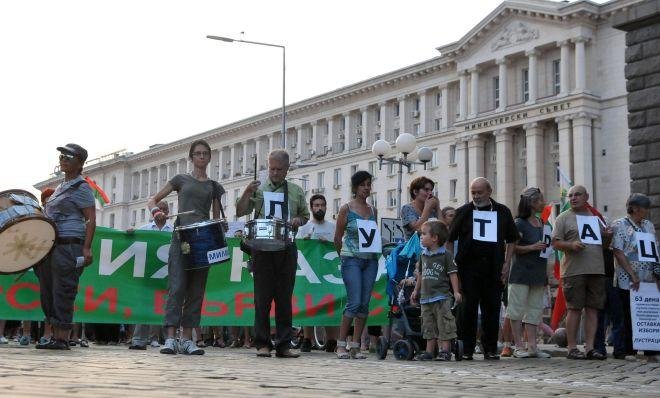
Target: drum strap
(285,209)
(218,191)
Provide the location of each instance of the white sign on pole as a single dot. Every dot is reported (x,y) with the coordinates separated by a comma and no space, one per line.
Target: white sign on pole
(484,226)
(589,230)
(647,250)
(369,240)
(645,317)
(547,239)
(392,230)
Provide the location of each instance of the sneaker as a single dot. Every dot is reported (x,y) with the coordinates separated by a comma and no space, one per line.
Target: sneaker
(155,344)
(520,353)
(540,354)
(169,347)
(506,352)
(477,349)
(44,340)
(424,356)
(137,347)
(306,346)
(55,345)
(443,356)
(24,340)
(43,343)
(188,347)
(3,340)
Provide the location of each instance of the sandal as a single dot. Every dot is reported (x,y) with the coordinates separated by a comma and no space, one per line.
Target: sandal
(83,343)
(355,352)
(596,355)
(200,344)
(424,356)
(574,353)
(342,354)
(220,343)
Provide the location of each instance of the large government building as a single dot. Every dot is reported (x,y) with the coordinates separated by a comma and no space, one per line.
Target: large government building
(536,87)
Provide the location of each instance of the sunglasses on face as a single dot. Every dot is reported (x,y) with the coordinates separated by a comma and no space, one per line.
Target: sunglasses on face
(66,156)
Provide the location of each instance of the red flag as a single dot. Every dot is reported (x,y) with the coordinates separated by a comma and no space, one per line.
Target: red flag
(559,309)
(98,192)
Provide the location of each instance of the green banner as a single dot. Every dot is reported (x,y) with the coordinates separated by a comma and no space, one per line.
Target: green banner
(127,283)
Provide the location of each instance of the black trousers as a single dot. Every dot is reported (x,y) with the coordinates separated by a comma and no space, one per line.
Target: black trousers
(481,288)
(274,277)
(58,284)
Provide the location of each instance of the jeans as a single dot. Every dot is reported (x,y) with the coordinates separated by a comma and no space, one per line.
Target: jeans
(612,313)
(359,276)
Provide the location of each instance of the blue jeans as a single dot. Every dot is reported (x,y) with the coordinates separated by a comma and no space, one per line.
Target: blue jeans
(359,276)
(612,313)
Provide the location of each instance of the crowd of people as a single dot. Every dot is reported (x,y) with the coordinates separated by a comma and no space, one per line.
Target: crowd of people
(473,262)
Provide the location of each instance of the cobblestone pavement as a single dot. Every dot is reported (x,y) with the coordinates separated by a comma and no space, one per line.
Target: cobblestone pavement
(116,371)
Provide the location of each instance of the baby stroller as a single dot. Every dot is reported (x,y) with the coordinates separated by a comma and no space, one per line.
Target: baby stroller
(405,318)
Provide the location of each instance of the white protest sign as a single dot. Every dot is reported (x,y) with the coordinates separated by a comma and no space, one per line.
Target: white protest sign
(547,239)
(647,251)
(369,240)
(273,202)
(484,226)
(645,316)
(589,230)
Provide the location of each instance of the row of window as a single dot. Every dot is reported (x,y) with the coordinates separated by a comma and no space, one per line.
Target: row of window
(556,83)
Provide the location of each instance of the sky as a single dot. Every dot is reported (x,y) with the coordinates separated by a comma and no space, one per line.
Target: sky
(124,75)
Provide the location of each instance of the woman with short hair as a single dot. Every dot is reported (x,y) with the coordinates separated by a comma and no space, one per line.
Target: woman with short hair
(423,206)
(631,270)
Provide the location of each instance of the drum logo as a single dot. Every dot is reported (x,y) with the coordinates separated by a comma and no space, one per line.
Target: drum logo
(24,245)
(218,255)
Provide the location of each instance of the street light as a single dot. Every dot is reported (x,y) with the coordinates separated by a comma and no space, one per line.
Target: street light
(230,40)
(405,144)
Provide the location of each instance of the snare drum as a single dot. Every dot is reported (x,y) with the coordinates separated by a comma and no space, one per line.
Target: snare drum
(268,235)
(203,243)
(26,234)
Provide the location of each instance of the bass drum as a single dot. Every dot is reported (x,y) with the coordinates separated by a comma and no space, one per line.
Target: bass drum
(26,234)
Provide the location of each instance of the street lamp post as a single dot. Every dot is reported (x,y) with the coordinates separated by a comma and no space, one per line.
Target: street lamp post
(230,40)
(405,144)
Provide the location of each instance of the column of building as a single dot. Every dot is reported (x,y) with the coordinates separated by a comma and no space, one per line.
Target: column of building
(504,167)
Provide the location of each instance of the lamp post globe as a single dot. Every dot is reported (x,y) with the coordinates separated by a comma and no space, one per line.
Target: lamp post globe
(405,143)
(424,154)
(380,148)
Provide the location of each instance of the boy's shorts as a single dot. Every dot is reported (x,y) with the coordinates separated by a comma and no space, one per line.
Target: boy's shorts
(437,321)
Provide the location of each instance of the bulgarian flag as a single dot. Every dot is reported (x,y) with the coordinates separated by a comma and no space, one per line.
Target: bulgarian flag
(559,309)
(99,194)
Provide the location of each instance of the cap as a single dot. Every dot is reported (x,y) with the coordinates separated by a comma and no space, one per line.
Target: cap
(75,150)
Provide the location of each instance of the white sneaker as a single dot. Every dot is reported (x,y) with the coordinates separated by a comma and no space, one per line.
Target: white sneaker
(540,354)
(520,353)
(155,344)
(169,347)
(188,347)
(3,340)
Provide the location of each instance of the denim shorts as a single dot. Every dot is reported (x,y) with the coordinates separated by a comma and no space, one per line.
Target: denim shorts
(359,276)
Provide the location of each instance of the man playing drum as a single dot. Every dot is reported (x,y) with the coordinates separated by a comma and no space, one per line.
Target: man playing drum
(274,271)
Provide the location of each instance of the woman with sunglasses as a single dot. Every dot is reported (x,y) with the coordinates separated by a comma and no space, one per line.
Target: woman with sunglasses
(424,206)
(528,275)
(72,209)
(198,193)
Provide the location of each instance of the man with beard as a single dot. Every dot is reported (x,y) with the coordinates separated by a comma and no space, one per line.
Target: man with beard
(318,228)
(486,236)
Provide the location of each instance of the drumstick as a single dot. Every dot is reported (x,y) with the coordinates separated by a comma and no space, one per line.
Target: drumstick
(255,166)
(181,214)
(21,275)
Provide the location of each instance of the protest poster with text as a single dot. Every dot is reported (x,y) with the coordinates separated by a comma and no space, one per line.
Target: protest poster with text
(127,283)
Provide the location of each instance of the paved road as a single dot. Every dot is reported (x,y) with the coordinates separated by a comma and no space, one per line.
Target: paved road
(116,371)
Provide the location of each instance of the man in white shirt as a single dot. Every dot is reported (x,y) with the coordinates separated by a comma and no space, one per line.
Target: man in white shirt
(142,333)
(318,228)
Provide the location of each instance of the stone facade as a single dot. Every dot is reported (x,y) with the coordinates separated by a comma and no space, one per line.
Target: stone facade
(642,24)
(534,87)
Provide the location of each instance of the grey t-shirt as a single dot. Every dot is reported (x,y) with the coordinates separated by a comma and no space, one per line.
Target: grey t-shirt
(409,215)
(195,195)
(529,268)
(65,206)
(434,269)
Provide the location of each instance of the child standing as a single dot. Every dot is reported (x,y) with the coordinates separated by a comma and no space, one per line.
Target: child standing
(437,278)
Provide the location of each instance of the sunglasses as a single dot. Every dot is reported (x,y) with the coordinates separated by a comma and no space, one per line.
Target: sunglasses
(66,156)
